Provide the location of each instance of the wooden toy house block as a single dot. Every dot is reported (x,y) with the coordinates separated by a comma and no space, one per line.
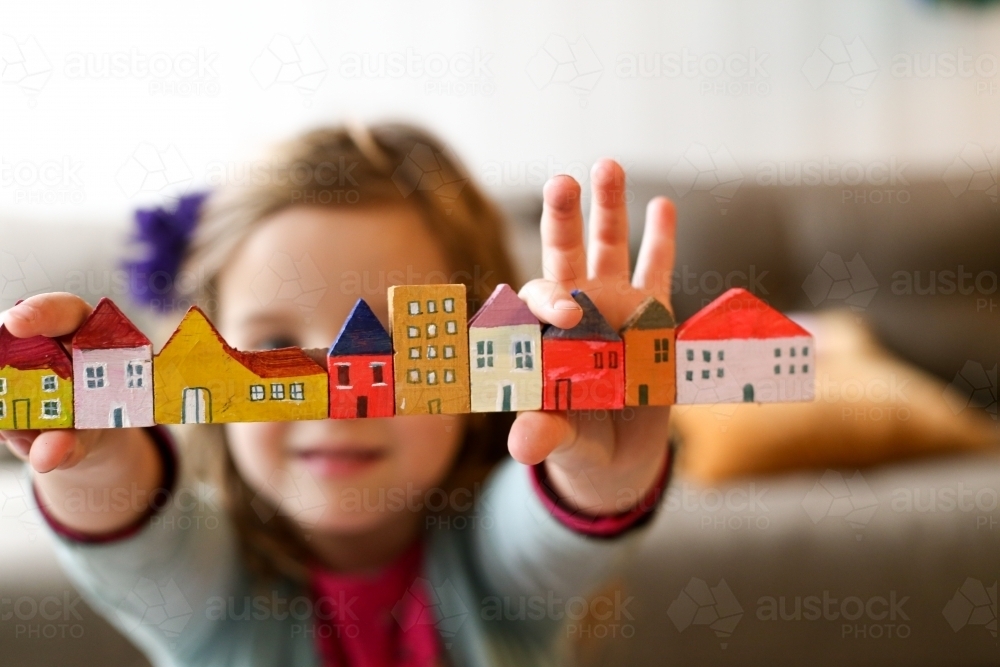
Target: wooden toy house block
(112,371)
(739,349)
(583,368)
(430,338)
(649,336)
(36,383)
(360,367)
(199,379)
(505,341)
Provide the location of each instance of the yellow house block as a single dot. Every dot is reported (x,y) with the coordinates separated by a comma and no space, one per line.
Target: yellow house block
(35,399)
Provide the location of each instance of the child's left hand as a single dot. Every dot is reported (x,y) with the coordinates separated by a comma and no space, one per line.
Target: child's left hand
(600,465)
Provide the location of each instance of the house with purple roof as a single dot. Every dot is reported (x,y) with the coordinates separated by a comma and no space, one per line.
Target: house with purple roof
(505,361)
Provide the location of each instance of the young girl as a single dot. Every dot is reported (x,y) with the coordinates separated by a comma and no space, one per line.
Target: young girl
(367,541)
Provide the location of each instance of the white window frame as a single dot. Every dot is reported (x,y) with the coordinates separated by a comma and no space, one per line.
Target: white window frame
(135,380)
(3,408)
(449,376)
(50,401)
(55,383)
(102,377)
(412,332)
(431,306)
(484,359)
(432,377)
(256,392)
(449,305)
(413,308)
(449,351)
(527,352)
(297,391)
(342,386)
(432,352)
(3,386)
(432,330)
(414,353)
(280,394)
(381,364)
(413,376)
(451,327)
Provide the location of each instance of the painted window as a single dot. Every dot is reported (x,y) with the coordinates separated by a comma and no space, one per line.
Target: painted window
(277,392)
(432,330)
(449,351)
(378,372)
(3,409)
(432,307)
(297,390)
(413,376)
(598,360)
(449,305)
(805,351)
(256,392)
(524,356)
(791,369)
(414,353)
(412,332)
(690,355)
(51,409)
(777,369)
(612,359)
(777,352)
(449,375)
(661,350)
(704,374)
(706,355)
(484,354)
(805,368)
(450,327)
(791,352)
(135,374)
(689,376)
(719,373)
(432,352)
(343,375)
(95,374)
(50,383)
(721,355)
(3,386)
(414,308)
(432,377)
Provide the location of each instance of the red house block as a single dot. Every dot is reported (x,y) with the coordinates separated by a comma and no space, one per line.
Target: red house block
(583,368)
(360,365)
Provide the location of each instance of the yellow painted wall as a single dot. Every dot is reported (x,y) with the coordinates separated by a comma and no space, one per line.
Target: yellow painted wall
(28,385)
(194,357)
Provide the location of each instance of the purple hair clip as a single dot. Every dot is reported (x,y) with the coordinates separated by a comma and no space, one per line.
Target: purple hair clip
(166,233)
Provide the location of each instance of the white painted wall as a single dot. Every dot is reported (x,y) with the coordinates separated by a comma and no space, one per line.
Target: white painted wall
(523,89)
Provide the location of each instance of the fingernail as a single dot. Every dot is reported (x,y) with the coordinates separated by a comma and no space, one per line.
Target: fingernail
(566,304)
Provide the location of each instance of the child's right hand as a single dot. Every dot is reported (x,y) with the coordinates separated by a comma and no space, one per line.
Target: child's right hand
(66,462)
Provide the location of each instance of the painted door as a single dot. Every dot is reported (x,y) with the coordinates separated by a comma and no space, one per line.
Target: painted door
(362,410)
(643,394)
(196,402)
(118,418)
(22,413)
(748,393)
(505,398)
(563,398)
(434,406)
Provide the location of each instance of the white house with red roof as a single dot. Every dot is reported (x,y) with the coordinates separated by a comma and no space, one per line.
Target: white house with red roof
(739,349)
(505,361)
(112,371)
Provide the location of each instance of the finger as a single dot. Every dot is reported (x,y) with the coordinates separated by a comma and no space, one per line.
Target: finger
(19,442)
(654,267)
(552,303)
(535,435)
(564,258)
(607,239)
(53,314)
(59,448)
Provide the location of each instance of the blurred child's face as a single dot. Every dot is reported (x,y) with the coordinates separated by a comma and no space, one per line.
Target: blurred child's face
(293,282)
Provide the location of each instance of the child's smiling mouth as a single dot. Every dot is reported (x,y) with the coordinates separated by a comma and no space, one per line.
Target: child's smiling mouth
(338,461)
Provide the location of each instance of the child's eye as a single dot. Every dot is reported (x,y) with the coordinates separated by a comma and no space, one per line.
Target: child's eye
(275,342)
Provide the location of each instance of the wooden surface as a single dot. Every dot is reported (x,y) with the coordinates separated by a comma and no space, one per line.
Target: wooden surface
(36,383)
(650,367)
(359,364)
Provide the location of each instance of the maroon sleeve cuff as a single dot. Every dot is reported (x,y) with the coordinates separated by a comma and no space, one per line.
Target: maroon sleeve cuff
(157,501)
(608,526)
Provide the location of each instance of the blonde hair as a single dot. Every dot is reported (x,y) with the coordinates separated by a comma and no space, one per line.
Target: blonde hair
(351,165)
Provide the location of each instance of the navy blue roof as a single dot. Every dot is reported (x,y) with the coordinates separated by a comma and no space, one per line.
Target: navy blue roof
(592,326)
(362,333)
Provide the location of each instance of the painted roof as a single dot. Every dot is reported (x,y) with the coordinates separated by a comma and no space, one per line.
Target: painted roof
(503,308)
(280,363)
(593,326)
(362,333)
(651,314)
(33,354)
(107,328)
(738,314)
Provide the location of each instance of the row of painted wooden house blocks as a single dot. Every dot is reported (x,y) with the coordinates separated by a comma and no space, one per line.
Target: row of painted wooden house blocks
(435,361)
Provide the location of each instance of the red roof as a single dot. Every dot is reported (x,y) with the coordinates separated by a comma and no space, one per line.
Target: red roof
(107,328)
(33,354)
(738,314)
